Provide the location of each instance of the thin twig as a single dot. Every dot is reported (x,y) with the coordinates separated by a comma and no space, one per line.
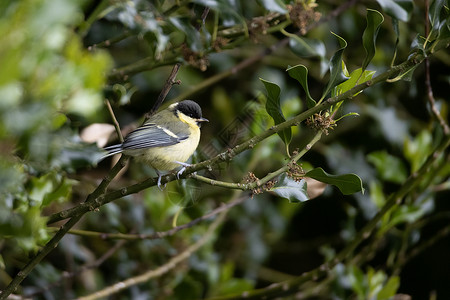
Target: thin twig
(430,95)
(171,264)
(253,185)
(161,234)
(113,117)
(202,19)
(167,86)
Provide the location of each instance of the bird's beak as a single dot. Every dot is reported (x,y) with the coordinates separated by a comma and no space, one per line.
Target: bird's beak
(200,121)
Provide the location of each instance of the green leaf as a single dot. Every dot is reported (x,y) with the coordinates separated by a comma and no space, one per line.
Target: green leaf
(417,150)
(274,5)
(398,9)
(346,183)
(356,77)
(300,72)
(336,72)
(294,191)
(388,166)
(192,35)
(273,108)
(434,13)
(374,20)
(390,288)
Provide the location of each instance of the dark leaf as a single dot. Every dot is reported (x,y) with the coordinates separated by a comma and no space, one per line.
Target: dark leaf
(273,108)
(300,72)
(374,20)
(336,73)
(347,183)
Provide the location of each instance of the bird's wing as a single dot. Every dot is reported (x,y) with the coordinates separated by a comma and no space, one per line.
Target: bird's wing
(151,135)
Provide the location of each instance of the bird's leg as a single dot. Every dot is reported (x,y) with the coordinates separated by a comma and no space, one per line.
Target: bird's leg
(159,180)
(185,165)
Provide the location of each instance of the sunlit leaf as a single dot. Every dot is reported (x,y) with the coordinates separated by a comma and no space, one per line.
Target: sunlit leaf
(288,188)
(300,72)
(273,108)
(356,77)
(398,9)
(346,183)
(374,20)
(416,150)
(336,74)
(389,289)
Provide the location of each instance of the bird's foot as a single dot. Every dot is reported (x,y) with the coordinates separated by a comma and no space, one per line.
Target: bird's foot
(160,187)
(185,165)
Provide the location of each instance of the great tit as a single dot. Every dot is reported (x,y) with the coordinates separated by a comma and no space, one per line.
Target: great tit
(166,140)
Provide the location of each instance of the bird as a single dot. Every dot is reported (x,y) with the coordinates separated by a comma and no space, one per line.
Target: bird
(166,140)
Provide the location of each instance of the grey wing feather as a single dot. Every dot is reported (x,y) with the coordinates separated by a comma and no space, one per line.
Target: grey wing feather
(150,135)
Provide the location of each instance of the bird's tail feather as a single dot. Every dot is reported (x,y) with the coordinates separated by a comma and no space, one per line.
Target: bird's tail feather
(112,150)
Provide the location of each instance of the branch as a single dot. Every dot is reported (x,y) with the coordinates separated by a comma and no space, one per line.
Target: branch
(171,264)
(113,117)
(161,234)
(253,185)
(229,154)
(167,86)
(431,100)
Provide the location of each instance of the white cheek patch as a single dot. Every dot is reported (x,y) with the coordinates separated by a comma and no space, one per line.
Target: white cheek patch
(167,131)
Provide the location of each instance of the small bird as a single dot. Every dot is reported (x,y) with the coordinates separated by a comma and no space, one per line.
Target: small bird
(166,140)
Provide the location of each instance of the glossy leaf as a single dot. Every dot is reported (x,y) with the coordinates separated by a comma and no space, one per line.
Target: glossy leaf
(300,73)
(192,35)
(374,20)
(356,77)
(347,183)
(294,191)
(398,9)
(273,108)
(336,74)
(227,10)
(435,12)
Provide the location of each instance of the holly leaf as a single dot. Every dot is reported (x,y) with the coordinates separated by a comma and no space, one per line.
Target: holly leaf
(347,183)
(273,108)
(374,20)
(300,73)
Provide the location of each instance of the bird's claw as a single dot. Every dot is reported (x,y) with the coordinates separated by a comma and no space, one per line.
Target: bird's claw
(159,182)
(185,165)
